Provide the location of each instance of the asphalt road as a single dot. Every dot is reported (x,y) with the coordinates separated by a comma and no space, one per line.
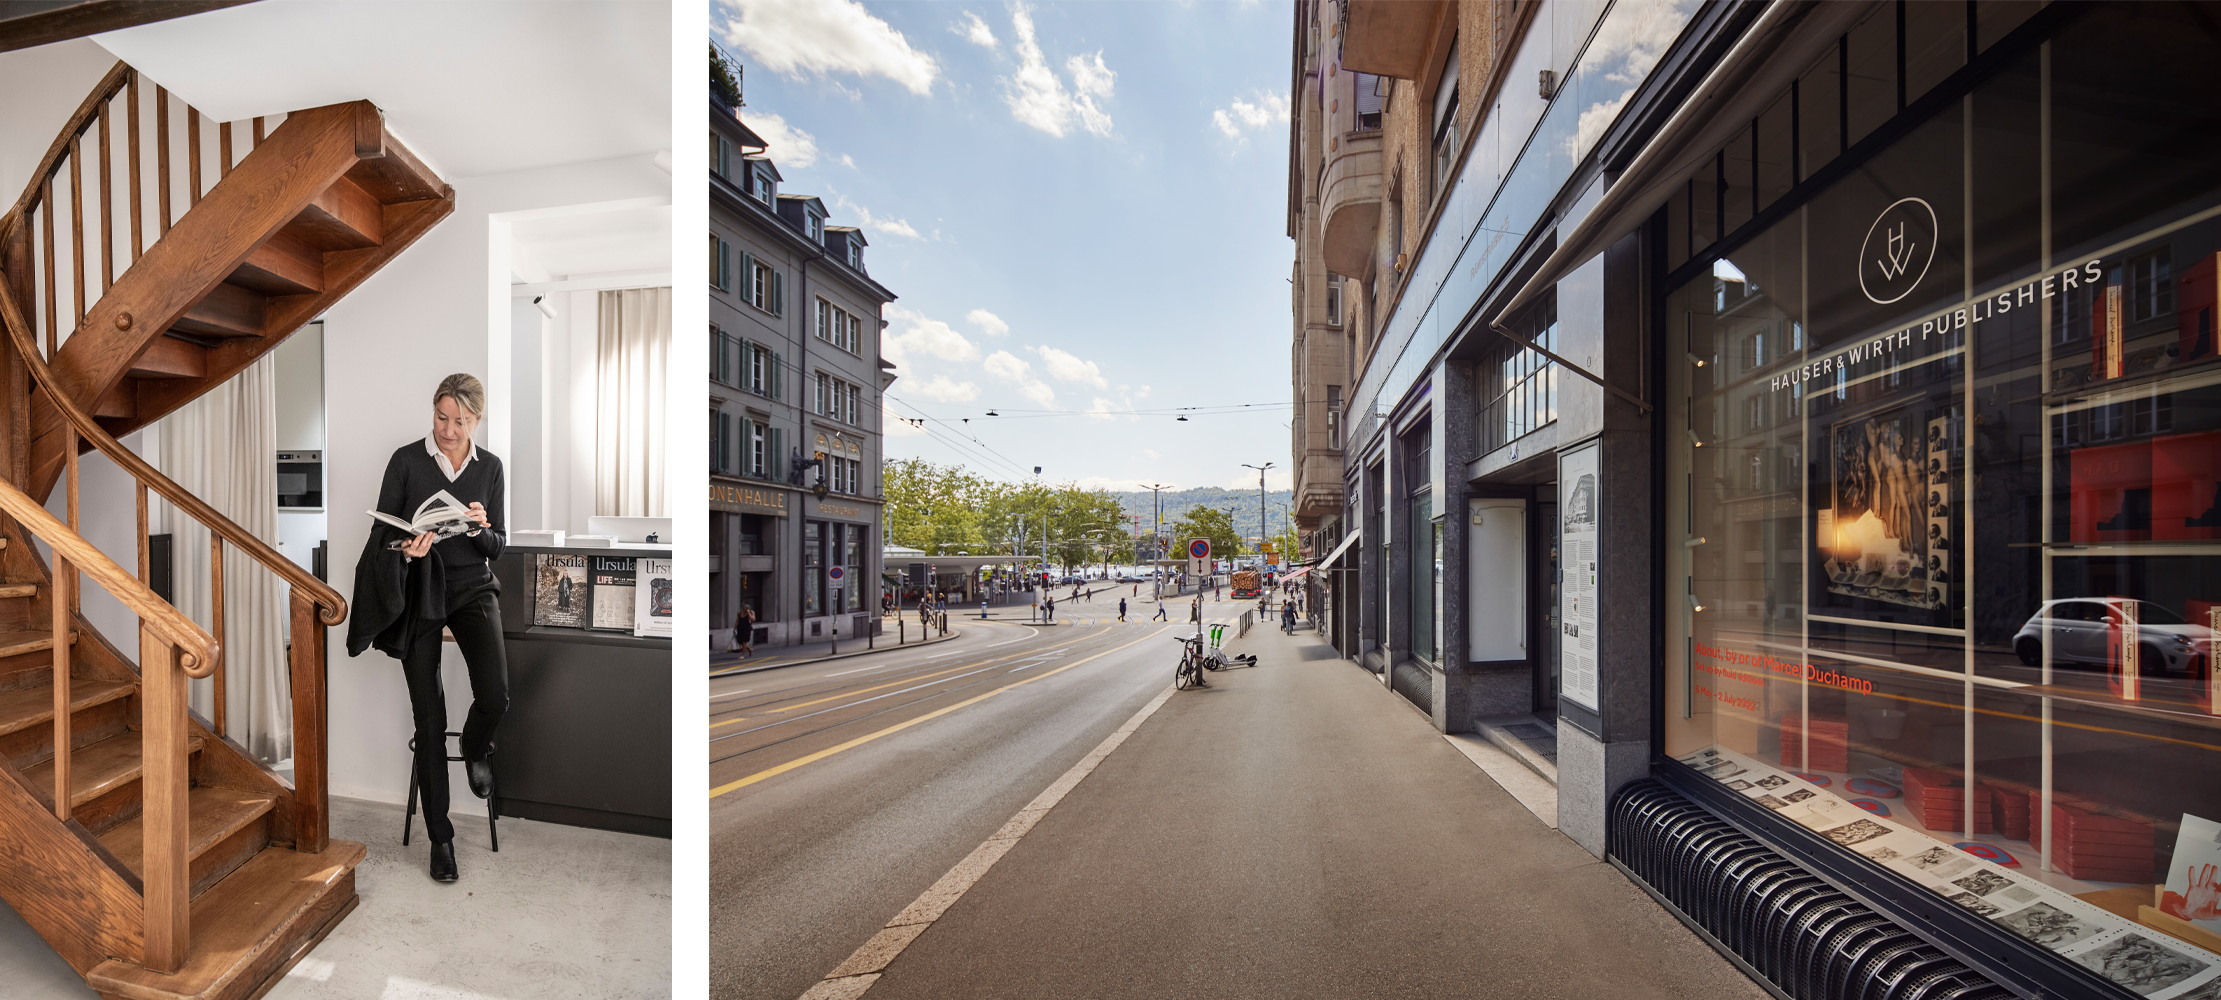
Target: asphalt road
(807,863)
(1294,830)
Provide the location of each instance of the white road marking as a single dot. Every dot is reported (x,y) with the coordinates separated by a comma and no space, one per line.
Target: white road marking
(866,670)
(853,977)
(730,694)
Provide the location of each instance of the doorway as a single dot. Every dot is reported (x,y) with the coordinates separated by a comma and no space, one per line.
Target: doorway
(1546,578)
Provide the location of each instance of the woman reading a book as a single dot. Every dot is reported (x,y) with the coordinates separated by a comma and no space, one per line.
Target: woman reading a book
(427,566)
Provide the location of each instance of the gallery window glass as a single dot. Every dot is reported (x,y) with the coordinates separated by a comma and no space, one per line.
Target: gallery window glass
(1943,555)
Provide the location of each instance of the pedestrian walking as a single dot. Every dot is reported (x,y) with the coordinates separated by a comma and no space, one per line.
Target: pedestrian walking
(1160,611)
(744,631)
(1049,609)
(1121,609)
(1195,609)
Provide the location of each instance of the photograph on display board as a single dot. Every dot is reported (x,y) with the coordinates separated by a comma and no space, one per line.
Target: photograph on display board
(1887,535)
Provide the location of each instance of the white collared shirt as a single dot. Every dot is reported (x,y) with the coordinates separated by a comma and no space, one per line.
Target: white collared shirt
(440,458)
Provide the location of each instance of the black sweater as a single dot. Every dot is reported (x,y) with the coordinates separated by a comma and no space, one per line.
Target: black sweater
(398,599)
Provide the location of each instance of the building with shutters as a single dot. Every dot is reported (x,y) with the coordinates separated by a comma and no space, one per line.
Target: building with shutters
(794,404)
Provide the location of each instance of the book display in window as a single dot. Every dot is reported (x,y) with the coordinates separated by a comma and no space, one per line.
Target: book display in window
(652,597)
(559,590)
(612,578)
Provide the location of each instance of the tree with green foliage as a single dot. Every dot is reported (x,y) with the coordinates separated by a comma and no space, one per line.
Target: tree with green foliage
(1206,522)
(724,79)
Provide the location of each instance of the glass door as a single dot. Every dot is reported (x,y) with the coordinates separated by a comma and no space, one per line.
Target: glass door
(1546,600)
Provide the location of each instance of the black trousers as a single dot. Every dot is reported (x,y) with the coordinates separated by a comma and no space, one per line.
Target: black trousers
(476,621)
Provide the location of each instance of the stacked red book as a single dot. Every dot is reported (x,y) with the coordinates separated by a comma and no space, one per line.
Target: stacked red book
(2098,848)
(1831,741)
(2009,810)
(1937,800)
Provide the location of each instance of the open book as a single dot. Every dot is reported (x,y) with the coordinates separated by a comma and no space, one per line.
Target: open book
(440,514)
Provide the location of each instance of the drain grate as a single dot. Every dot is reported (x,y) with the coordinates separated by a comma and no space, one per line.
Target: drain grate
(1810,941)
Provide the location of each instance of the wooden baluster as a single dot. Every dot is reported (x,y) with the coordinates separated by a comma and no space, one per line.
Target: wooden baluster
(77,228)
(46,230)
(192,156)
(257,131)
(163,788)
(144,570)
(162,154)
(223,151)
(107,205)
(21,285)
(311,787)
(58,595)
(216,618)
(131,121)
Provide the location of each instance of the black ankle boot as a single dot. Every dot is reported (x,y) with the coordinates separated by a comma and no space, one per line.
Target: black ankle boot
(481,774)
(443,862)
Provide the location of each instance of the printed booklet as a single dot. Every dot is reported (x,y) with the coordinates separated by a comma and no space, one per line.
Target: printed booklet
(440,514)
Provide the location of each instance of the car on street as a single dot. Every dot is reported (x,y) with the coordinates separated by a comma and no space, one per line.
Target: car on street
(2081,629)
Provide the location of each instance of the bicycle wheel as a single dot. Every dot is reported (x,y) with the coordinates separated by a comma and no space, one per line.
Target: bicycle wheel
(1180,675)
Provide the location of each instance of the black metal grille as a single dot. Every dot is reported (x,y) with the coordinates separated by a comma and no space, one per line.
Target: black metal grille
(1810,941)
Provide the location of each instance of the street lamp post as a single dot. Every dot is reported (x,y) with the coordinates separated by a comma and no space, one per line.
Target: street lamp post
(1156,540)
(1262,534)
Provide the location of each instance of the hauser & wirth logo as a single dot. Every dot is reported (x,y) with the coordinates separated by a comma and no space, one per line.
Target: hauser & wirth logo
(1899,247)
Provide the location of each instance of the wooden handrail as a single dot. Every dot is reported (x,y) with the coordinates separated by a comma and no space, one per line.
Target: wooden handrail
(196,645)
(331,608)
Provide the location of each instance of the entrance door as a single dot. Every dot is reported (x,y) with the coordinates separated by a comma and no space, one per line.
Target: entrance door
(1547,578)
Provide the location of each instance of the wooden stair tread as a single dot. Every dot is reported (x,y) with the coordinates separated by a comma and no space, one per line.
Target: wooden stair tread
(248,928)
(216,812)
(18,589)
(29,641)
(97,769)
(33,706)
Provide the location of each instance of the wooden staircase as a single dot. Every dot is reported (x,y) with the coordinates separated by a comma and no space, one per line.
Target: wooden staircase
(152,852)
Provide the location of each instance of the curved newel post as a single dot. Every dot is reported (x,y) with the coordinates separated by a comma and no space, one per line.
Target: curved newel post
(311,766)
(164,875)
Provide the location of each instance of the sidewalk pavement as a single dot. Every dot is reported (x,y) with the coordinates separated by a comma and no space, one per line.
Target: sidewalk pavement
(1296,829)
(769,657)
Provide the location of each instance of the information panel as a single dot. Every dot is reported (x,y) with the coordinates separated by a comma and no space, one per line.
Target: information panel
(1577,504)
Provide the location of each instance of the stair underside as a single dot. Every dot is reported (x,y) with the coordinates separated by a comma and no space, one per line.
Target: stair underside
(249,928)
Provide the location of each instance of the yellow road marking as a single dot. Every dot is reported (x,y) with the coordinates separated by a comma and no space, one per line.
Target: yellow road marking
(728,722)
(858,691)
(900,726)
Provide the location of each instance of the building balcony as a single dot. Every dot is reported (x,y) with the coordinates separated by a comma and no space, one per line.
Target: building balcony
(1318,486)
(1349,202)
(1393,37)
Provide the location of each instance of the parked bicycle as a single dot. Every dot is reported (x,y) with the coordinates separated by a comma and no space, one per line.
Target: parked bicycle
(1189,674)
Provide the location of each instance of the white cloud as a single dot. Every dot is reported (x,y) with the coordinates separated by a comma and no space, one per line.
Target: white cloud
(879,225)
(1038,97)
(1106,483)
(988,323)
(1275,479)
(846,162)
(789,145)
(942,388)
(1066,367)
(821,37)
(974,31)
(1149,452)
(1009,368)
(1242,115)
(923,335)
(1101,410)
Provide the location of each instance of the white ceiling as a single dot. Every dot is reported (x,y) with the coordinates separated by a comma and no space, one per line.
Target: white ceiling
(566,246)
(473,88)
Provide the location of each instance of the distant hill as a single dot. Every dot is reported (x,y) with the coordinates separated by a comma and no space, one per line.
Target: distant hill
(1241,504)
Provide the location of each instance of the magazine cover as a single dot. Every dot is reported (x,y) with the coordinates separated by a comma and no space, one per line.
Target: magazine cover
(652,598)
(612,597)
(559,591)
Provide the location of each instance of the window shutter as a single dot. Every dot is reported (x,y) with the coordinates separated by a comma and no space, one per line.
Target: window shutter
(777,381)
(718,260)
(748,277)
(715,418)
(775,463)
(724,442)
(778,297)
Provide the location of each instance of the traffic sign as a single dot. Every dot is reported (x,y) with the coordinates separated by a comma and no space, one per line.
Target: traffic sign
(834,573)
(1199,548)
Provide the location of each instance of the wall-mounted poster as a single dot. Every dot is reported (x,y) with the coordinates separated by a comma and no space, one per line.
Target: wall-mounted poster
(652,597)
(1886,534)
(1577,505)
(559,590)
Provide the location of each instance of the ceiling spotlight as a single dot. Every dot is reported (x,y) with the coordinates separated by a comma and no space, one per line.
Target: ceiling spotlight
(1697,361)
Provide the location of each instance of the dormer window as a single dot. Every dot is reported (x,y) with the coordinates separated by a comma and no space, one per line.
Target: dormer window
(763,187)
(856,255)
(813,227)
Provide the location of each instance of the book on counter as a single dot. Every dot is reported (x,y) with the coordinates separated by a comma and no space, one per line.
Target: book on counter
(652,597)
(441,514)
(613,602)
(559,590)
(533,536)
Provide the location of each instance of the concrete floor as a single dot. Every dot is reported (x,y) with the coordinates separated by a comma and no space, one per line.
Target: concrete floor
(560,912)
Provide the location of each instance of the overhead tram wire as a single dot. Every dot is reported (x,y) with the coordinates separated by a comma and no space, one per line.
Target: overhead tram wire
(1016,469)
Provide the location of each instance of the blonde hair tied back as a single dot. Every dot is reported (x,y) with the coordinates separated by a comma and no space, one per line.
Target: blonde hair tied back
(466,390)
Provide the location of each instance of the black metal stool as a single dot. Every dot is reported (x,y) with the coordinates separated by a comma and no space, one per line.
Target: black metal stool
(493,798)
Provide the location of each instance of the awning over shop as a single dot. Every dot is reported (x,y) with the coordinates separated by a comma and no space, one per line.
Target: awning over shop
(1347,541)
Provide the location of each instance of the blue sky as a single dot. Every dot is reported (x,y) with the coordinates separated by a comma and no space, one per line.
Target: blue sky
(1082,208)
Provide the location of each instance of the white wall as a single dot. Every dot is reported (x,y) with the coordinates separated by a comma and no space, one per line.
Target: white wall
(442,306)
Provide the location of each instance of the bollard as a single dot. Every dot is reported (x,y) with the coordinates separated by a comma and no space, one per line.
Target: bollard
(902,629)
(836,623)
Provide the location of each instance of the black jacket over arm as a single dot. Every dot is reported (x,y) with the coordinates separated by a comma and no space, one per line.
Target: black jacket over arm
(398,598)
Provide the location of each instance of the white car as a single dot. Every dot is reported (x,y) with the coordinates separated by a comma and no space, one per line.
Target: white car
(2079,628)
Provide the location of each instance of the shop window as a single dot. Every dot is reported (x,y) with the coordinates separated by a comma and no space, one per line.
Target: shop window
(1934,595)
(1520,386)
(814,540)
(1334,416)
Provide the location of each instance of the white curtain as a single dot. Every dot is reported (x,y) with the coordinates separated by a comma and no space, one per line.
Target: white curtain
(632,355)
(222,448)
